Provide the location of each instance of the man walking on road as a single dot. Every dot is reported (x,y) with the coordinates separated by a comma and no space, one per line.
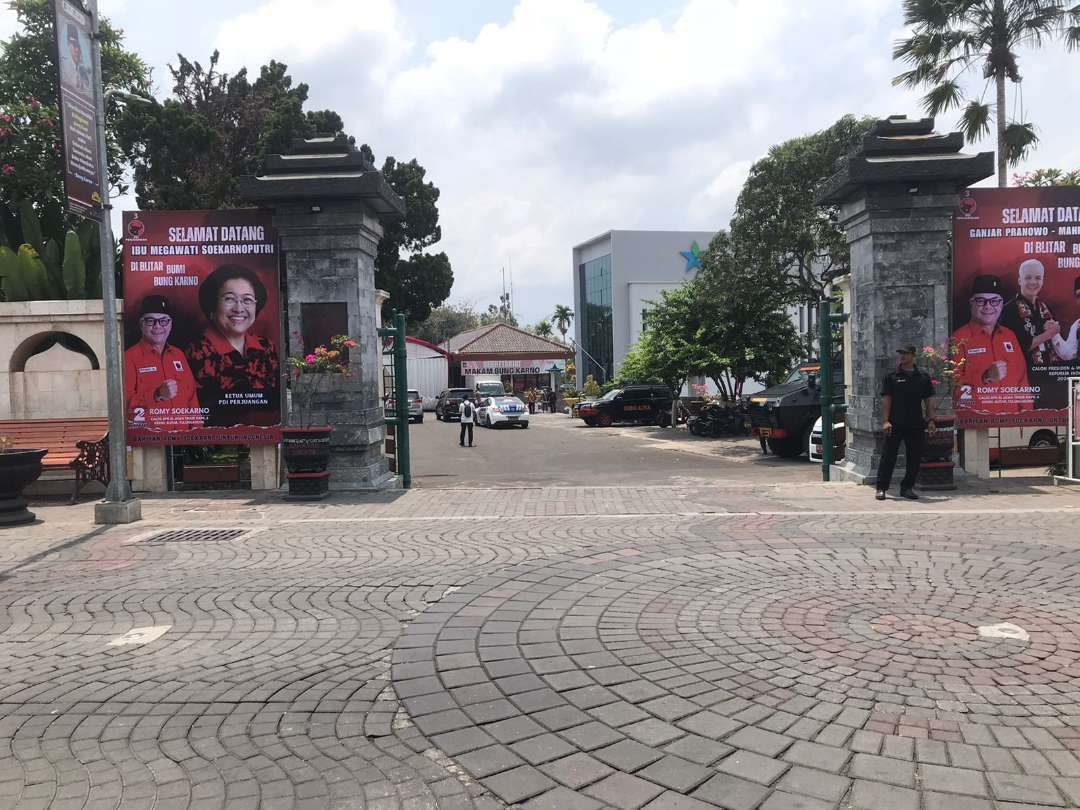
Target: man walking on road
(903,394)
(467,412)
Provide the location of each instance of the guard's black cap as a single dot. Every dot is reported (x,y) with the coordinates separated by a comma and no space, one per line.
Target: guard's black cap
(909,349)
(155,304)
(987,284)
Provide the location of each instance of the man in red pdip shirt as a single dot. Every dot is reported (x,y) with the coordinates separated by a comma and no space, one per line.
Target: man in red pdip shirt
(158,385)
(994,373)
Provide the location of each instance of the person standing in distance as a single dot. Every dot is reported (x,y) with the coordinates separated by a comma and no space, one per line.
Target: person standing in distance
(468,414)
(903,396)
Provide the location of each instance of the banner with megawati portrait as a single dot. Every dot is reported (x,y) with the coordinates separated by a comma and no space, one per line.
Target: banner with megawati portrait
(202,318)
(1016,302)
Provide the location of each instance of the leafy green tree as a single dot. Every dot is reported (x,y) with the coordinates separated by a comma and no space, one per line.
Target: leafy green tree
(743,323)
(789,242)
(561,318)
(543,329)
(191,150)
(1041,178)
(951,37)
(413,286)
(447,320)
(503,313)
(31,166)
(419,282)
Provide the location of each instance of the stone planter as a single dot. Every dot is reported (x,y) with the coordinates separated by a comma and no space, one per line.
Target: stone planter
(936,466)
(307,453)
(18,469)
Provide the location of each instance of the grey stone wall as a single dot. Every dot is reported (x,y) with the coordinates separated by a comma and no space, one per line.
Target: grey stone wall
(900,282)
(329,255)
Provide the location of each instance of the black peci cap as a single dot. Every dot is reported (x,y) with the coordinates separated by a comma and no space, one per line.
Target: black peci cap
(909,349)
(155,305)
(987,284)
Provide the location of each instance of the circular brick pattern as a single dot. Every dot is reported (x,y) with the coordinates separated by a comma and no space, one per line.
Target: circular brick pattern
(841,675)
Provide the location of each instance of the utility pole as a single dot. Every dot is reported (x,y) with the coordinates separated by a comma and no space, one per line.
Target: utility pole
(119,506)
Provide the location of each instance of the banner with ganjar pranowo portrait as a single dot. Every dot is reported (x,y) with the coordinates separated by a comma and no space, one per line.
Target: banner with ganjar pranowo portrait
(202,318)
(1016,305)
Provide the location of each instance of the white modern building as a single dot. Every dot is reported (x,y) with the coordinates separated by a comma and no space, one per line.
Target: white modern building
(617,276)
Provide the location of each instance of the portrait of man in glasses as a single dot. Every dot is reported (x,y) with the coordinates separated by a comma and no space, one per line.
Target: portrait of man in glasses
(158,384)
(994,374)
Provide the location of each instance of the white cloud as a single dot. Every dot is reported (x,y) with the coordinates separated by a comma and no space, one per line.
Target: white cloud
(8,22)
(313,31)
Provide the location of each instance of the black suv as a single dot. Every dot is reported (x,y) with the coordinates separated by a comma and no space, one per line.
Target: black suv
(631,403)
(785,414)
(446,406)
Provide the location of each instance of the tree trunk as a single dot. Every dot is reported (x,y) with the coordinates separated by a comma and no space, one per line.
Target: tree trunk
(999,115)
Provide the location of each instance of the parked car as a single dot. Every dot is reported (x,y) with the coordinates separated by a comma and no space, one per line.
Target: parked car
(784,414)
(416,405)
(494,411)
(449,401)
(839,441)
(639,404)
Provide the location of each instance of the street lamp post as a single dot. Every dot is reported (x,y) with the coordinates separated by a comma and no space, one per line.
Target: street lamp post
(119,505)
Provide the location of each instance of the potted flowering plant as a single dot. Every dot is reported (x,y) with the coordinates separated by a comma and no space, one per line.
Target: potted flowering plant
(307,446)
(18,469)
(944,365)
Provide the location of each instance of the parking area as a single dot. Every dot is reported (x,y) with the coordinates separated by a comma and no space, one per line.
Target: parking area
(559,451)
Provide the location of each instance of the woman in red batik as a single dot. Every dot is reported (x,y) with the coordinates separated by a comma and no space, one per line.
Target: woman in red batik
(237,372)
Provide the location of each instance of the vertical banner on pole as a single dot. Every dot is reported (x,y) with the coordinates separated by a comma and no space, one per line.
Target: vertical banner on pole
(78,110)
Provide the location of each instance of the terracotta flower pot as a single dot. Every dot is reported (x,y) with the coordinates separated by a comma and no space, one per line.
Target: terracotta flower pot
(18,469)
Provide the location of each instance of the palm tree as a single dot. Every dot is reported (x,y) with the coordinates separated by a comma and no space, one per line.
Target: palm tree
(950,37)
(543,329)
(562,317)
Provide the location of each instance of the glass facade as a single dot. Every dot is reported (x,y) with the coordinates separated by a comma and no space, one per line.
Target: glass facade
(594,276)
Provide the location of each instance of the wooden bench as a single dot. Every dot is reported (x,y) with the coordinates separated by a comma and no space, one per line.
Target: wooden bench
(73,444)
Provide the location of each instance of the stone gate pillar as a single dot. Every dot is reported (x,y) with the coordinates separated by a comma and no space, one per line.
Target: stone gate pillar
(896,194)
(329,204)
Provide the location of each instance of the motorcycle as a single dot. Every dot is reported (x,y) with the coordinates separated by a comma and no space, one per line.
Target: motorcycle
(717,420)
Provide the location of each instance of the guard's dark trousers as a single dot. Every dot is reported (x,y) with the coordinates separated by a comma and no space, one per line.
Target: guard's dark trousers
(464,425)
(913,445)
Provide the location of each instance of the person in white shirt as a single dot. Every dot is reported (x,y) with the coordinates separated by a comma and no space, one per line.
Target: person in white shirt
(468,413)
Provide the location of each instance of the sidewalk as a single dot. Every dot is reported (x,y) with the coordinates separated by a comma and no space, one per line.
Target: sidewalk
(747,647)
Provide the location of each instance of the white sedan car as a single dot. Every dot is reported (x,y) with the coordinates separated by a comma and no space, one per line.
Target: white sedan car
(494,411)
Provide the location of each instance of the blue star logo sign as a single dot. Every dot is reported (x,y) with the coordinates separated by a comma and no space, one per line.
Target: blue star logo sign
(692,256)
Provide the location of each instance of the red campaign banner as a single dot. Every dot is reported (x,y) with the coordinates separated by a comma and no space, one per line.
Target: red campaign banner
(202,318)
(1016,305)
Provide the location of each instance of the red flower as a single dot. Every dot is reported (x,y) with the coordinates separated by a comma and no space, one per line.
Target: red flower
(34,104)
(7,169)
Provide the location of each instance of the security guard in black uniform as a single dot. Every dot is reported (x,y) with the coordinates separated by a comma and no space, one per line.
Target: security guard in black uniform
(902,396)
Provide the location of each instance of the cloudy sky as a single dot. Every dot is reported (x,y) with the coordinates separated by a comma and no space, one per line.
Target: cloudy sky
(546,122)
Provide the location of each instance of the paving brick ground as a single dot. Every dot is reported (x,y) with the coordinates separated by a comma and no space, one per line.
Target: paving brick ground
(659,647)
